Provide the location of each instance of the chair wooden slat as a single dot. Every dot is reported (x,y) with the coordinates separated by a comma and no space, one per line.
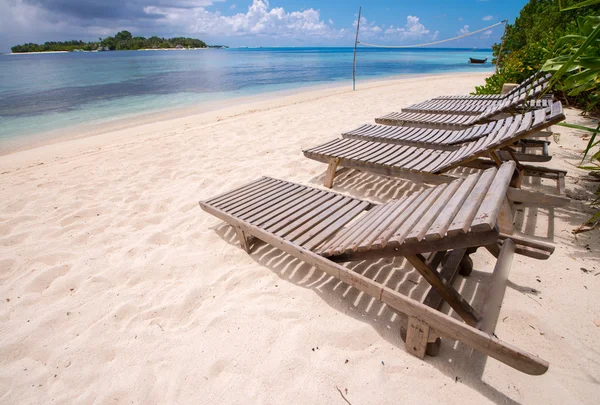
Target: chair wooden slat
(485,219)
(462,222)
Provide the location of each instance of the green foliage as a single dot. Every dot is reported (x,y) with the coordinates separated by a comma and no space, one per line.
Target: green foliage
(122,41)
(576,64)
(530,41)
(576,68)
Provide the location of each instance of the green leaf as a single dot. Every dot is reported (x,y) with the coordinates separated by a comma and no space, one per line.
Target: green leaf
(589,23)
(581,78)
(557,63)
(595,218)
(578,5)
(565,68)
(590,62)
(590,144)
(570,40)
(581,127)
(575,91)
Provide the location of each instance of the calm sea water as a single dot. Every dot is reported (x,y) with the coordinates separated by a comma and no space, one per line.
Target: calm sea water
(39,93)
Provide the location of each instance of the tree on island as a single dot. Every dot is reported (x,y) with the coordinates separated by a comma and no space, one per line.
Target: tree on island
(122,41)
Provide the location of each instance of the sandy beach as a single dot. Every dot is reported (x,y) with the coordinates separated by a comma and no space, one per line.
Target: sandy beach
(116,288)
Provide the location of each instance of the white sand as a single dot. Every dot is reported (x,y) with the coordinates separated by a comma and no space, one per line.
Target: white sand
(116,288)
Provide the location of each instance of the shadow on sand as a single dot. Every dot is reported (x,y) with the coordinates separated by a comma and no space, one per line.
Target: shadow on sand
(398,274)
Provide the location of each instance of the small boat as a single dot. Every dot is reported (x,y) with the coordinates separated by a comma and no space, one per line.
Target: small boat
(474,60)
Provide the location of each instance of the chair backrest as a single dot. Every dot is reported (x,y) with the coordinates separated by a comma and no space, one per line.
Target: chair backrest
(514,129)
(538,77)
(529,92)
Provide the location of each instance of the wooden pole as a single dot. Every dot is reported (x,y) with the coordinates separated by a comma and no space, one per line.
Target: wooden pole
(501,45)
(355,44)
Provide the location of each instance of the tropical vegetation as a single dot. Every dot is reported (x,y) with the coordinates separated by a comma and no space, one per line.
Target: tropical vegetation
(122,41)
(562,37)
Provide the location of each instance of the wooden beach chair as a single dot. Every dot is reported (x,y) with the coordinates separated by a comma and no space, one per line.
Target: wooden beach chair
(518,99)
(542,77)
(457,120)
(448,221)
(451,139)
(431,165)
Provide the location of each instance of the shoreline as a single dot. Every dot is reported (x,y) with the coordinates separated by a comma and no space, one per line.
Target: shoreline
(98,128)
(116,50)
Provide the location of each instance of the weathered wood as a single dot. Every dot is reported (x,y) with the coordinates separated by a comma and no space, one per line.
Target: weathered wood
(495,158)
(305,227)
(462,221)
(448,273)
(437,209)
(530,242)
(407,209)
(242,238)
(327,218)
(342,238)
(221,197)
(434,259)
(536,198)
(442,323)
(394,250)
(560,184)
(417,334)
(506,218)
(331,172)
(439,228)
(330,229)
(487,214)
(497,286)
(445,289)
(281,218)
(409,224)
(422,164)
(312,217)
(523,157)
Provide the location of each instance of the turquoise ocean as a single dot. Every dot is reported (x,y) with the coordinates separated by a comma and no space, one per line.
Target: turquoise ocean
(45,92)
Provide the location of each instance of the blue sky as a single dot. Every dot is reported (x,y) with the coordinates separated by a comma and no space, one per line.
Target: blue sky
(257,22)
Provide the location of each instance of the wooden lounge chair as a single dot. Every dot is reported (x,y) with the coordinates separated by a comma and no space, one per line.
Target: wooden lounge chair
(537,76)
(476,107)
(431,165)
(457,120)
(448,221)
(451,139)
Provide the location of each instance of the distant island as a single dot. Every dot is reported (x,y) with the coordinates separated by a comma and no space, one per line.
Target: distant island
(123,41)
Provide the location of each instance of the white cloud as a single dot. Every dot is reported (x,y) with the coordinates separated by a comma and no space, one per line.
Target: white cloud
(411,31)
(459,18)
(486,34)
(488,18)
(367,29)
(33,21)
(464,30)
(259,20)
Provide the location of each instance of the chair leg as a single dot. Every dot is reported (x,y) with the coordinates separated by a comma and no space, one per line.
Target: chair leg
(560,184)
(417,335)
(445,290)
(243,239)
(331,171)
(466,264)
